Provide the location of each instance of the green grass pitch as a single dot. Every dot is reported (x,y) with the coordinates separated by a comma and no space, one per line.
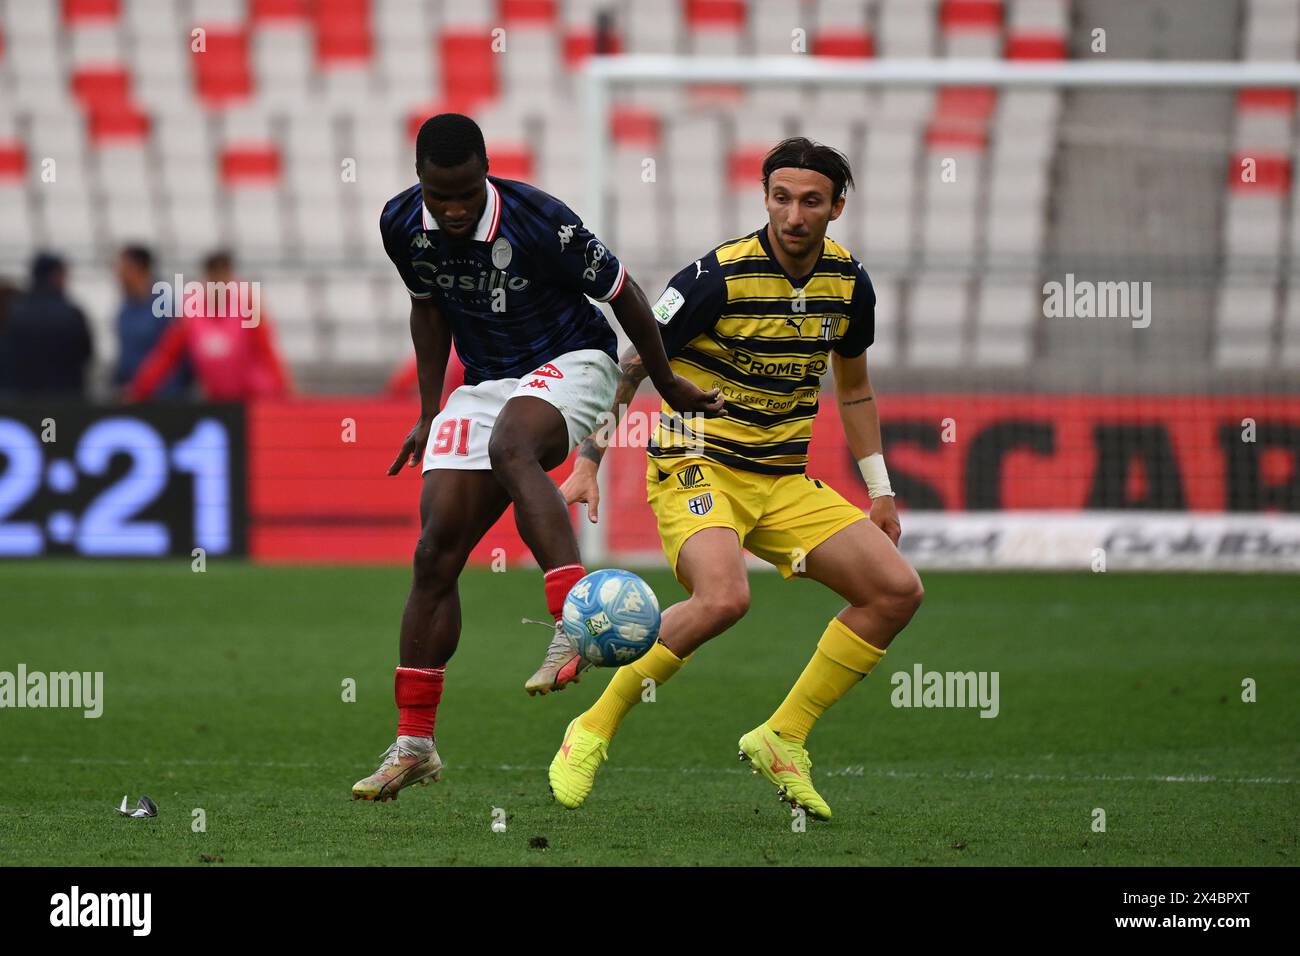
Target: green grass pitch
(223,691)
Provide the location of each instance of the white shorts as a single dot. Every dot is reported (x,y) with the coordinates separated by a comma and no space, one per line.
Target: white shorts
(580,384)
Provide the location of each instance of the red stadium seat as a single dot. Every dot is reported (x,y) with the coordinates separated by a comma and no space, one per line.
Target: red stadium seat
(715,14)
(965,103)
(101,85)
(961,118)
(1035,46)
(634,126)
(250,164)
(13,161)
(1272,173)
(469,67)
(854,46)
(580,44)
(745,167)
(1267,100)
(260,10)
(971,14)
(510,161)
(81,11)
(343,32)
(948,136)
(528,11)
(221,73)
(116,123)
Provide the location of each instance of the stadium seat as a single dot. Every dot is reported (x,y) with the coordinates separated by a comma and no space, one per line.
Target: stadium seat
(243,143)
(1247,310)
(936,332)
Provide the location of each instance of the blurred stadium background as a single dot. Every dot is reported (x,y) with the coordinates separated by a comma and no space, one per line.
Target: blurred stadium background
(277,129)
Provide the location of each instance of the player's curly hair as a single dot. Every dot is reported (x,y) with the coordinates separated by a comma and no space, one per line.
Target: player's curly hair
(449,139)
(799,152)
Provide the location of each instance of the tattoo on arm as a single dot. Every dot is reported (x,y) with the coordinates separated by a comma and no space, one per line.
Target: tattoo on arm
(634,373)
(858,401)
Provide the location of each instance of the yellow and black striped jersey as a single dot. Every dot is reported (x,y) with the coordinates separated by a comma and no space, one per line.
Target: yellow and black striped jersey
(735,320)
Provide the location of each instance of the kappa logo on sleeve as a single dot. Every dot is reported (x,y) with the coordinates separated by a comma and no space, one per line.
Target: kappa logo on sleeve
(668,305)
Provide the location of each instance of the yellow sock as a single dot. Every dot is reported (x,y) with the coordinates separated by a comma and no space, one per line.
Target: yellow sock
(624,691)
(840,661)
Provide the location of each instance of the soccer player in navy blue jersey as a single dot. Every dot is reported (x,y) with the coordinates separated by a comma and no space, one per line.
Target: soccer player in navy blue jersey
(505,271)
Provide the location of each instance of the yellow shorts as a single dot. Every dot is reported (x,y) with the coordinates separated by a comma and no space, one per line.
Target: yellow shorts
(779,518)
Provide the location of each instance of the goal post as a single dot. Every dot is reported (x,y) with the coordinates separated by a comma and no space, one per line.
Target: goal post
(1245,338)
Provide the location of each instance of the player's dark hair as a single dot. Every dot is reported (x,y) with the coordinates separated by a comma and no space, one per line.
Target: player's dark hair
(46,267)
(799,152)
(219,260)
(449,139)
(140,255)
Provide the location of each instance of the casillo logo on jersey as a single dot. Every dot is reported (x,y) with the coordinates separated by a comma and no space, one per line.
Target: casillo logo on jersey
(701,504)
(485,281)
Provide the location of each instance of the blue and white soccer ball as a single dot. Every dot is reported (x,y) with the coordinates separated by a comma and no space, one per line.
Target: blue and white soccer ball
(612,617)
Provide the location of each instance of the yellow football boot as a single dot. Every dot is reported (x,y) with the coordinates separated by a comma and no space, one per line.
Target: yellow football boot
(785,764)
(573,771)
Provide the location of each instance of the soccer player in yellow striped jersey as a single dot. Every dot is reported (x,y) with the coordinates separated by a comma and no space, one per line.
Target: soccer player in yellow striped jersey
(762,318)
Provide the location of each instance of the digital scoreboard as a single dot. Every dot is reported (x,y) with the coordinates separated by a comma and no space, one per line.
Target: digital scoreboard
(121,481)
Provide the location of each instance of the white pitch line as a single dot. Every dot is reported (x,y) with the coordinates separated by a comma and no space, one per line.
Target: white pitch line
(850,771)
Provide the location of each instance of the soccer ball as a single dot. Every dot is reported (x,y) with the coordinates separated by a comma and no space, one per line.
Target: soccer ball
(612,617)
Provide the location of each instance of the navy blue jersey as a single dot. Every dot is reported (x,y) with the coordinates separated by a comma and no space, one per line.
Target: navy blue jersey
(515,292)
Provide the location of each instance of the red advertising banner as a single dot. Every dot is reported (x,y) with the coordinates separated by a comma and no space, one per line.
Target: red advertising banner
(318,491)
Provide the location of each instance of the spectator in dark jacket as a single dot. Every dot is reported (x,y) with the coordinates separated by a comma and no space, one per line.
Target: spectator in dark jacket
(8,292)
(138,327)
(46,336)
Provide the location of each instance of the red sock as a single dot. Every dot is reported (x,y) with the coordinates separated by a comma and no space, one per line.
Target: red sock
(417,691)
(559,581)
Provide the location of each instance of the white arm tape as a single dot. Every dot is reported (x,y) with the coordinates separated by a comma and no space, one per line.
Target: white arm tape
(877,478)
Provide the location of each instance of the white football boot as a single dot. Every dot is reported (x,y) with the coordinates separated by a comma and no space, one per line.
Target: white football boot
(562,666)
(410,760)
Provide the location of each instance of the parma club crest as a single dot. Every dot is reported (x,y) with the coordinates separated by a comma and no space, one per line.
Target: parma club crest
(701,504)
